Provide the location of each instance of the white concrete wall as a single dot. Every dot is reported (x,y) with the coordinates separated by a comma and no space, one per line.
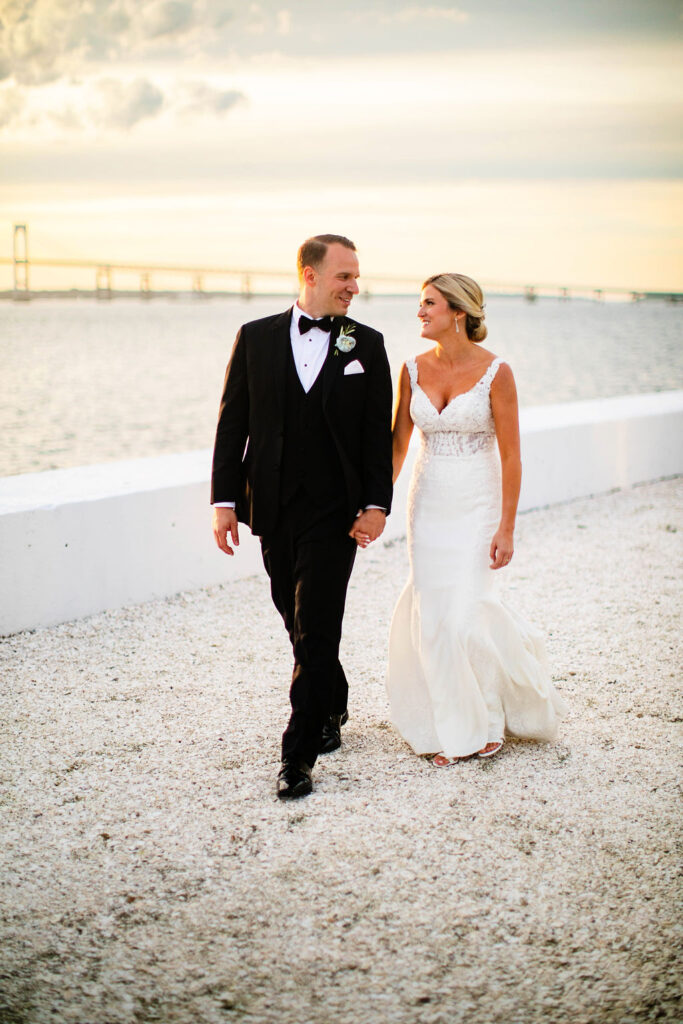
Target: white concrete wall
(581,448)
(78,541)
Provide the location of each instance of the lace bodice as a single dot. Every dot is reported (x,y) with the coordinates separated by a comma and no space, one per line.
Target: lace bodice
(465,426)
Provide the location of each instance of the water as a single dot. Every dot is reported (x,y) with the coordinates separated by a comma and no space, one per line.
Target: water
(86,382)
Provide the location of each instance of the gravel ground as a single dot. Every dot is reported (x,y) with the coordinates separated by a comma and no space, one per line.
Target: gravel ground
(148,872)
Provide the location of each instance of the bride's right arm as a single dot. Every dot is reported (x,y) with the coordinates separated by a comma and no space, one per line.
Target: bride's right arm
(402,426)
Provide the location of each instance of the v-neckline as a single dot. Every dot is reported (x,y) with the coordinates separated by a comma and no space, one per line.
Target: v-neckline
(450,400)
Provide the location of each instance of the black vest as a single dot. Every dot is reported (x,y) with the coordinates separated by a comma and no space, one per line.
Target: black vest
(309,459)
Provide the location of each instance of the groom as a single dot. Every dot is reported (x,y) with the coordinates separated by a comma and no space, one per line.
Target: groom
(303,457)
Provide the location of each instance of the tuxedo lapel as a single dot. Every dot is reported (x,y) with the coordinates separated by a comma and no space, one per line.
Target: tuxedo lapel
(277,354)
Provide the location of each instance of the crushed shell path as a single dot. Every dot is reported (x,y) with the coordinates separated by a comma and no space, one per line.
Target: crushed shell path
(148,872)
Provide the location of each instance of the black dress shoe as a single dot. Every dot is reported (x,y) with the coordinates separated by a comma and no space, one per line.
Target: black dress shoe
(331,738)
(294,779)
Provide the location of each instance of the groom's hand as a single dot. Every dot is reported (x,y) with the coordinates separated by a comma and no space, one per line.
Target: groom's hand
(368,526)
(224,523)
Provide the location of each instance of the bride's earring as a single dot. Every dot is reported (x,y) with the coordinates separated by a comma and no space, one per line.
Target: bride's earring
(457,329)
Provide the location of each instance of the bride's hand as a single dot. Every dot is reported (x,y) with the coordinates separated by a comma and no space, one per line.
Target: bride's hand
(502,549)
(368,526)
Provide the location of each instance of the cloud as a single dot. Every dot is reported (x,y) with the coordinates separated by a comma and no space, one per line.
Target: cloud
(196,98)
(12,103)
(404,19)
(124,104)
(43,40)
(284,22)
(96,105)
(169,18)
(408,14)
(32,40)
(71,64)
(67,119)
(55,52)
(40,40)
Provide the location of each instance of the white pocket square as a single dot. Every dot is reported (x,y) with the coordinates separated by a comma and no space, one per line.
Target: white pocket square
(354,367)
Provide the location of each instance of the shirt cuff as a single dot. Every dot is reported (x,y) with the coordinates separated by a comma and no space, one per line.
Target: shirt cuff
(379,507)
(224,504)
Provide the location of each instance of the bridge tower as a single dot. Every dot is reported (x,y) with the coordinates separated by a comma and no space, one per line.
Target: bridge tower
(103,283)
(20,263)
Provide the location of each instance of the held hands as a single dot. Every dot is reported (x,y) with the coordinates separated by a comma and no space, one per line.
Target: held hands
(224,523)
(368,526)
(502,548)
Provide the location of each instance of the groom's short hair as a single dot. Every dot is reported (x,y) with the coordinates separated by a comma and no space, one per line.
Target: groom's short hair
(312,252)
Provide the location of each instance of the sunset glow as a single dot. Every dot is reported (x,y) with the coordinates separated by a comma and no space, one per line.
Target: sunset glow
(536,146)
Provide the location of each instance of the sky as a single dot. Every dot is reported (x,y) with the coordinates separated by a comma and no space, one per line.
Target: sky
(536,141)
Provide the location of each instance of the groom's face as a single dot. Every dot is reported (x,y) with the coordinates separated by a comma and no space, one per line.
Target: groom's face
(336,281)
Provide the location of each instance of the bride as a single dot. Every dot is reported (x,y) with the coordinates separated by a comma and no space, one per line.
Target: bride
(464,669)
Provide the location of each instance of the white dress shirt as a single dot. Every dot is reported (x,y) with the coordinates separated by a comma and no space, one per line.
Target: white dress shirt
(309,349)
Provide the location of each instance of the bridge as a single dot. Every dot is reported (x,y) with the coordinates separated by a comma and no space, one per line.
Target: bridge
(244,280)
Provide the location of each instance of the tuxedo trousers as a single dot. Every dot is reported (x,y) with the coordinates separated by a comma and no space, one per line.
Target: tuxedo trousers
(309,557)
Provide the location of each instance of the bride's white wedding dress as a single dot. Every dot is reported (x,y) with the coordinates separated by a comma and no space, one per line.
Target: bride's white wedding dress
(464,668)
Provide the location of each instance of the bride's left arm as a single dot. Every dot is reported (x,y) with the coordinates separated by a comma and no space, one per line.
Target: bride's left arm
(402,425)
(506,419)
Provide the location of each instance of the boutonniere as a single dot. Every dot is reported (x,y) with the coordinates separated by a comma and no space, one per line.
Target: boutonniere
(345,342)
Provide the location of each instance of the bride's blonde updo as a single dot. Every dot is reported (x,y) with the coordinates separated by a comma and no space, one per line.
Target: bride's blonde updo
(464,295)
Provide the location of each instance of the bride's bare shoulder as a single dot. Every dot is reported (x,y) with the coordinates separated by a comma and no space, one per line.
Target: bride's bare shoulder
(426,357)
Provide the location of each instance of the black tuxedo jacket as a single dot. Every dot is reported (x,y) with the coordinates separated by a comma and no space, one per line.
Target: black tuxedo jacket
(250,433)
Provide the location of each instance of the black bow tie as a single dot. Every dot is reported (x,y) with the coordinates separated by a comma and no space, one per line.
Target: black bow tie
(305,324)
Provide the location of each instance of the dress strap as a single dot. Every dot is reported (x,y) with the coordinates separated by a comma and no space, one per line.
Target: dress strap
(491,372)
(411,367)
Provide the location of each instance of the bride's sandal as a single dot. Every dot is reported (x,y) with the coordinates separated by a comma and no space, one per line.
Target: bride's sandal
(441,761)
(490,749)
